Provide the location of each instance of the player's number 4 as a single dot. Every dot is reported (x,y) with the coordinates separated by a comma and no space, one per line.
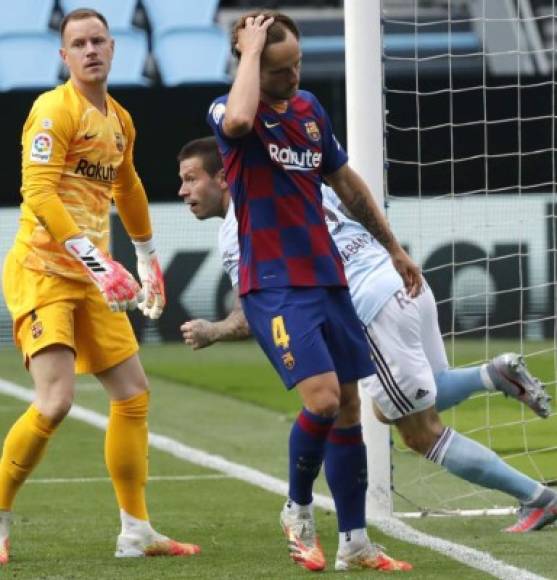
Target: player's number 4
(280,336)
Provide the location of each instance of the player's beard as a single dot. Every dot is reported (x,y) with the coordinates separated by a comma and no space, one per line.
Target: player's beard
(281,94)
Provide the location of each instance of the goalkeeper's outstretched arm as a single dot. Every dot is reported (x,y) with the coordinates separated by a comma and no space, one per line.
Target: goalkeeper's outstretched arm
(201,333)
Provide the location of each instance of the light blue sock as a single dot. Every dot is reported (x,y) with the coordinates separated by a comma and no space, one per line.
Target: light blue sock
(478,464)
(456,385)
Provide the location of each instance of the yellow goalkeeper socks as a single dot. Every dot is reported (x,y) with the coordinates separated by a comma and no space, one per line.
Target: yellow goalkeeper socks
(125,452)
(23,448)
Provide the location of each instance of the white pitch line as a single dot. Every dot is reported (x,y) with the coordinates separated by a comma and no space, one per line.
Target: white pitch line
(469,556)
(48,480)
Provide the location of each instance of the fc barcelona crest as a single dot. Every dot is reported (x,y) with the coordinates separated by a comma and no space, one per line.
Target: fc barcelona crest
(119,142)
(312,130)
(288,360)
(36,329)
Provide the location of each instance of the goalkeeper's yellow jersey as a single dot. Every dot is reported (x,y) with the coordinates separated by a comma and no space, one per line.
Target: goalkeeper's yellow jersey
(75,160)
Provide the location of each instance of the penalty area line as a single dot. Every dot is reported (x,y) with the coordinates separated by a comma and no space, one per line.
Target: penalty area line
(390,526)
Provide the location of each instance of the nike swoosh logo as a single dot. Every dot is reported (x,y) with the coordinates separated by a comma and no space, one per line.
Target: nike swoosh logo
(87,136)
(270,125)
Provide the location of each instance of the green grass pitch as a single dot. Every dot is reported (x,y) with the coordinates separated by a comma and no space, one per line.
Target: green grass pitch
(227,400)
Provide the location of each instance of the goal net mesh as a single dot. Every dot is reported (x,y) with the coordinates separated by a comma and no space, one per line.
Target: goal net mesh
(470,158)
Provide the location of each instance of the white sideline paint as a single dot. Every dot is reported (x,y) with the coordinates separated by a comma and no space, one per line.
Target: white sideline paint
(390,526)
(48,480)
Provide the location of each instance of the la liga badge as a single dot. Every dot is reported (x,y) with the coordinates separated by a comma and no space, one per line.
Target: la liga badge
(41,148)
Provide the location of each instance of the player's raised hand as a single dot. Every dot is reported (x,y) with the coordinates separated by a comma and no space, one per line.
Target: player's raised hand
(198,333)
(254,34)
(409,271)
(116,284)
(153,297)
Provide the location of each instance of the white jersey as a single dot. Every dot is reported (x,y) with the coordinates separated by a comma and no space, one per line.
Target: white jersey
(229,248)
(404,334)
(372,279)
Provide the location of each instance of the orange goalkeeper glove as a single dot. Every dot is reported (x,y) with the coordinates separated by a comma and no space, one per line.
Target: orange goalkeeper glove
(116,284)
(152,282)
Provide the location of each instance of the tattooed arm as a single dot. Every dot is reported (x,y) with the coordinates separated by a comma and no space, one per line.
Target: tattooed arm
(357,198)
(201,333)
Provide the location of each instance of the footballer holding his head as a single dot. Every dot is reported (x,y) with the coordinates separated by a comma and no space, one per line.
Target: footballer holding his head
(413,381)
(278,147)
(67,297)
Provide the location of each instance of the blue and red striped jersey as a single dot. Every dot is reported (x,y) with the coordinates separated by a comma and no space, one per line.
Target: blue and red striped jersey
(275,174)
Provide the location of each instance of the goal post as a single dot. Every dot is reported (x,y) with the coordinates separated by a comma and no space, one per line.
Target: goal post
(459,97)
(364,104)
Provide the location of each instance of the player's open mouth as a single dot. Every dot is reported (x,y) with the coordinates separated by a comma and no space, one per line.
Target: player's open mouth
(93,64)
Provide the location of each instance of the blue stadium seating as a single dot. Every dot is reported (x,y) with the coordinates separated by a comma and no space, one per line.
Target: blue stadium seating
(166,14)
(192,55)
(23,16)
(29,60)
(119,13)
(130,53)
(396,44)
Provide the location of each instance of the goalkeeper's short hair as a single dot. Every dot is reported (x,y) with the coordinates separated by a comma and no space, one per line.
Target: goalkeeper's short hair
(81,14)
(207,150)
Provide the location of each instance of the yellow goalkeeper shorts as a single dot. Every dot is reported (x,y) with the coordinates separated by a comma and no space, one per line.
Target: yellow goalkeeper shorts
(48,310)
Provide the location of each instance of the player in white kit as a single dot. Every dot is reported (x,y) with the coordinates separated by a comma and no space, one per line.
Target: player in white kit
(413,379)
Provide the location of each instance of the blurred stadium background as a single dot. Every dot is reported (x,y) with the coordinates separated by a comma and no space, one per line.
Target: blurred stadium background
(470,175)
(172,58)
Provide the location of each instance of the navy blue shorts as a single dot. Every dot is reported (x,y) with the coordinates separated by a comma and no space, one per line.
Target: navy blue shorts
(309,331)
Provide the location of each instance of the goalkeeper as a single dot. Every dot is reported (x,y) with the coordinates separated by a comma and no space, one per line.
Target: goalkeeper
(413,379)
(67,297)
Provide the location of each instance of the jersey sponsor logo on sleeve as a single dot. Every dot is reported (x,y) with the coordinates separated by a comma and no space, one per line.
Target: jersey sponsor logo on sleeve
(291,160)
(217,111)
(312,130)
(41,148)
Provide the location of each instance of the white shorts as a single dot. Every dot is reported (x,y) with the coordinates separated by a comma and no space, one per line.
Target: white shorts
(408,351)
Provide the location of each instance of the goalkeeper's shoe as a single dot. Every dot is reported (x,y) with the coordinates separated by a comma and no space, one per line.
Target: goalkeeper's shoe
(303,543)
(4,551)
(509,374)
(5,519)
(151,543)
(532,518)
(369,556)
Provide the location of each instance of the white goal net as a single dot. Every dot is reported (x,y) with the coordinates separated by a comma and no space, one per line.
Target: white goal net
(470,181)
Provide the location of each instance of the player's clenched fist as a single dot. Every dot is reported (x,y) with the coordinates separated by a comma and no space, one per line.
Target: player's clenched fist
(115,283)
(153,297)
(198,333)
